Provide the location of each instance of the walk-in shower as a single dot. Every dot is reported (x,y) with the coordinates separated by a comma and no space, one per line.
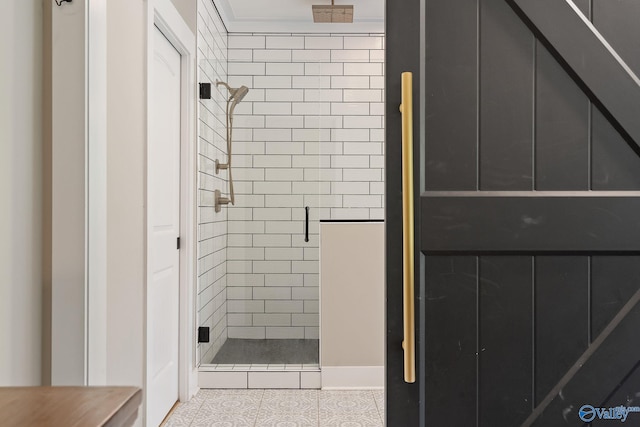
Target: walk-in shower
(273,347)
(258,274)
(300,117)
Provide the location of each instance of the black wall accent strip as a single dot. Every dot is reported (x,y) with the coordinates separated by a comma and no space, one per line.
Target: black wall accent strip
(352,220)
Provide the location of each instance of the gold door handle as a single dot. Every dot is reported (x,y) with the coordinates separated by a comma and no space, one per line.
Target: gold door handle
(408,282)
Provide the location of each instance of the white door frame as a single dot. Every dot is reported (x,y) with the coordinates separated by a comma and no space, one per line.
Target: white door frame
(163,14)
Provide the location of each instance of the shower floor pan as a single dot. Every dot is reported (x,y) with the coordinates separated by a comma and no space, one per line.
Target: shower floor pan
(268,353)
(264,364)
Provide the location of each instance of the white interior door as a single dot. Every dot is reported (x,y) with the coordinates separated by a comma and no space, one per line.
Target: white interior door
(163,189)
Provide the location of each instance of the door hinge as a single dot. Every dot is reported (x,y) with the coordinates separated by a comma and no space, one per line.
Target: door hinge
(203,334)
(178,243)
(205,90)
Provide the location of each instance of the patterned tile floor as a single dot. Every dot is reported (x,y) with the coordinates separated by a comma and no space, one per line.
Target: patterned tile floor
(281,408)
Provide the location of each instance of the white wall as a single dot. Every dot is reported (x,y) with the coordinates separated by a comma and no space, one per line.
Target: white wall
(126,99)
(126,152)
(21,188)
(212,146)
(352,271)
(188,11)
(352,280)
(20,192)
(68,195)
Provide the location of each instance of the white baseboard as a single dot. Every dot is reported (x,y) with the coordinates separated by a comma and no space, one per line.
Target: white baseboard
(193,383)
(352,377)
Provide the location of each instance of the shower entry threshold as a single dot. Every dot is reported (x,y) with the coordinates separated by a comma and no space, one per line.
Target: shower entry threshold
(260,376)
(245,364)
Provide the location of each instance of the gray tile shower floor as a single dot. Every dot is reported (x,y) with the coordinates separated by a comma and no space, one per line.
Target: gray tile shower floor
(281,408)
(244,351)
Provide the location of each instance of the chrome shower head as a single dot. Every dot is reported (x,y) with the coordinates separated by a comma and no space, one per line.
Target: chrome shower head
(332,13)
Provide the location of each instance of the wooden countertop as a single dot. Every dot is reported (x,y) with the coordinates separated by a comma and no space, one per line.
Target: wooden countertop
(69,406)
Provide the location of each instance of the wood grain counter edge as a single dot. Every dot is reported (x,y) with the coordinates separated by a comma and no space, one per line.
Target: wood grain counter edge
(69,406)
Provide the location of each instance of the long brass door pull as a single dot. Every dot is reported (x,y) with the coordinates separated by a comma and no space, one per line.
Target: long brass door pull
(408,287)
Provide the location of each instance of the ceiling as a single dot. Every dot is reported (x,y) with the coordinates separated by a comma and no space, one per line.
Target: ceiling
(294,16)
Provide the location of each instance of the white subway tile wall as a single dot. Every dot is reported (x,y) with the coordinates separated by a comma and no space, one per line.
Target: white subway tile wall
(212,227)
(310,133)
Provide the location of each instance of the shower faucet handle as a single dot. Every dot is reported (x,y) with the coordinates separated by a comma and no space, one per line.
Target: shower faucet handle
(219,200)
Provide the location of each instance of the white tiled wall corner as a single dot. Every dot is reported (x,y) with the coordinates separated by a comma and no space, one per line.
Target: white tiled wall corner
(212,227)
(309,133)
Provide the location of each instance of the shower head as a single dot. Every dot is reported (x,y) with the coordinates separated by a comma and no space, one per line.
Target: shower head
(238,94)
(235,95)
(332,13)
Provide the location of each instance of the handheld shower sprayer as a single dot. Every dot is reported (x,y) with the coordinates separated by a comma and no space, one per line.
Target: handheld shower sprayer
(235,96)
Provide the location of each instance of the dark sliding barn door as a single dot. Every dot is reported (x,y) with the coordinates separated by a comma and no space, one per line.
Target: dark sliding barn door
(527,206)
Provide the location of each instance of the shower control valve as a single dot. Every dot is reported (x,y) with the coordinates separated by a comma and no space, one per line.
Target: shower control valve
(219,200)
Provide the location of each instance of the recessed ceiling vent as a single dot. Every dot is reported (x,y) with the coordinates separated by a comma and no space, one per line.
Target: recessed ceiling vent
(332,13)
